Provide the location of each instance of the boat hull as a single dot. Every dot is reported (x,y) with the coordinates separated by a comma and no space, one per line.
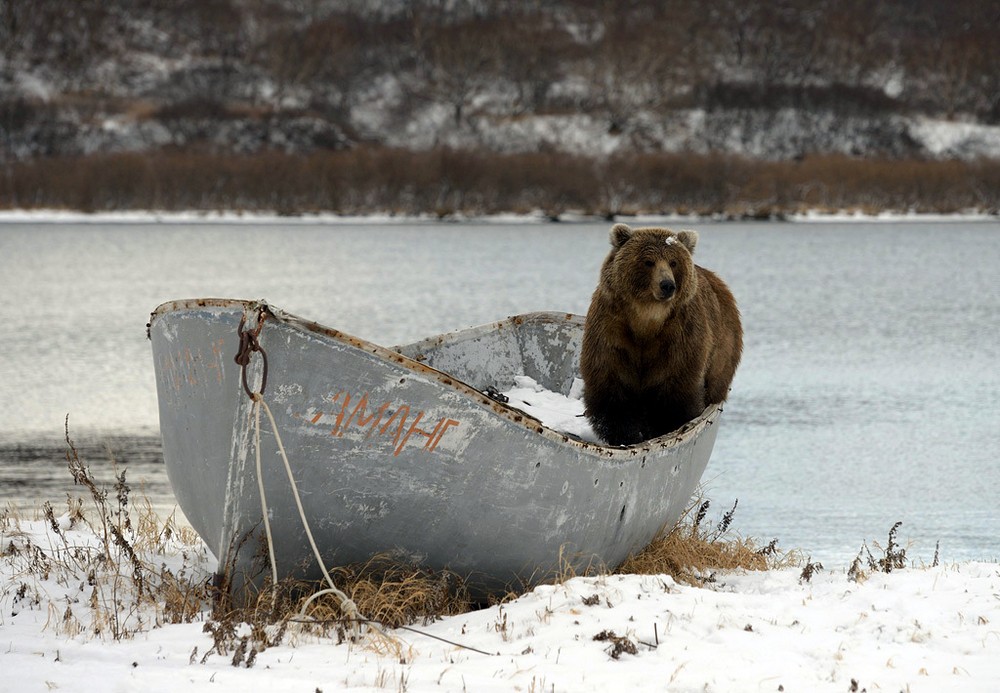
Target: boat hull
(400,452)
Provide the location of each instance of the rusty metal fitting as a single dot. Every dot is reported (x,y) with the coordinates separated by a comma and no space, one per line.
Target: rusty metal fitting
(250,343)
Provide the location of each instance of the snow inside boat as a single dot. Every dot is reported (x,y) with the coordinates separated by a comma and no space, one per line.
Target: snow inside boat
(401,451)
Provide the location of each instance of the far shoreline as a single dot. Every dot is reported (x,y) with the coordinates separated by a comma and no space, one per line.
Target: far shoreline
(228,217)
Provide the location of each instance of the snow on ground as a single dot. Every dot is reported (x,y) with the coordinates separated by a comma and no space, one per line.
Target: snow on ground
(916,629)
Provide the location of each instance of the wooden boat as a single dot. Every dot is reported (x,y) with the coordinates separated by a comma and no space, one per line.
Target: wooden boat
(401,451)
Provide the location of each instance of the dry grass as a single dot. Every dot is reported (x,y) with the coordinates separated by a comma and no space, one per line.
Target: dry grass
(692,553)
(395,594)
(386,593)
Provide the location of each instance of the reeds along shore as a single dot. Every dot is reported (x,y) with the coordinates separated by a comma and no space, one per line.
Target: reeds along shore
(446,182)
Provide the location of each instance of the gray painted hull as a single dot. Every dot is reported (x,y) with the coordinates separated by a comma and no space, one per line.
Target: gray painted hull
(398,451)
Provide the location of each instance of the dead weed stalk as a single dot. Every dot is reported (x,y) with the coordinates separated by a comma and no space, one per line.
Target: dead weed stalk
(893,558)
(108,584)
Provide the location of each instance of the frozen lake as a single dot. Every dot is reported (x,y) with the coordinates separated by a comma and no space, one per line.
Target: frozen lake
(869,391)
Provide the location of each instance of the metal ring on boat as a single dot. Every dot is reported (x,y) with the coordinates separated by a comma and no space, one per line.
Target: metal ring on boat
(248,345)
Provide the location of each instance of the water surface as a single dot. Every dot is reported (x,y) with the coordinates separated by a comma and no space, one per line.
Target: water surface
(868,392)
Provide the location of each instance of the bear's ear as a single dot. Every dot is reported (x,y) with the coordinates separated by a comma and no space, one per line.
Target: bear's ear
(619,234)
(689,239)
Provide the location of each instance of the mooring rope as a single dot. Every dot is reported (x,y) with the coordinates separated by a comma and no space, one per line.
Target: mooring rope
(249,344)
(347,605)
(257,399)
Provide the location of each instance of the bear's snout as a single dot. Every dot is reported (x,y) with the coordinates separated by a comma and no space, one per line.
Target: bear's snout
(667,288)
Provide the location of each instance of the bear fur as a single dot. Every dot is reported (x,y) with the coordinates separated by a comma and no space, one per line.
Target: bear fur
(662,338)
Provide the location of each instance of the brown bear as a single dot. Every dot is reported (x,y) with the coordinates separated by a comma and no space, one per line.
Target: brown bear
(662,337)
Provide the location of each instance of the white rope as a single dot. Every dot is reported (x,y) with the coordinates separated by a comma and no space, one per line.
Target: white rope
(347,605)
(257,399)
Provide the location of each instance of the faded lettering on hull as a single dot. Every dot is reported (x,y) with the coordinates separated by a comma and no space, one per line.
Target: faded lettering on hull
(401,423)
(186,368)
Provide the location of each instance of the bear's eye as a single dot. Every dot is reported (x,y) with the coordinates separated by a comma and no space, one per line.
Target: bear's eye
(650,263)
(673,263)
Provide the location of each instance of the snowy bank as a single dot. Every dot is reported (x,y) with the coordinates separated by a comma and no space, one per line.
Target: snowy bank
(930,629)
(224,217)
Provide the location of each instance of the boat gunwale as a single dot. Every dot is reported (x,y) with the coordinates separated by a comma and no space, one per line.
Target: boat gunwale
(683,435)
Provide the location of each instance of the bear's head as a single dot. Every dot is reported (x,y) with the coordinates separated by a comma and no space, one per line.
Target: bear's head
(651,266)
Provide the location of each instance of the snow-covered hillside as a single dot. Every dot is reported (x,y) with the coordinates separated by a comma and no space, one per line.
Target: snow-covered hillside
(761,79)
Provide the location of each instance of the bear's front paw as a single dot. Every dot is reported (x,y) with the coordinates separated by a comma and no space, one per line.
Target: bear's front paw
(618,432)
